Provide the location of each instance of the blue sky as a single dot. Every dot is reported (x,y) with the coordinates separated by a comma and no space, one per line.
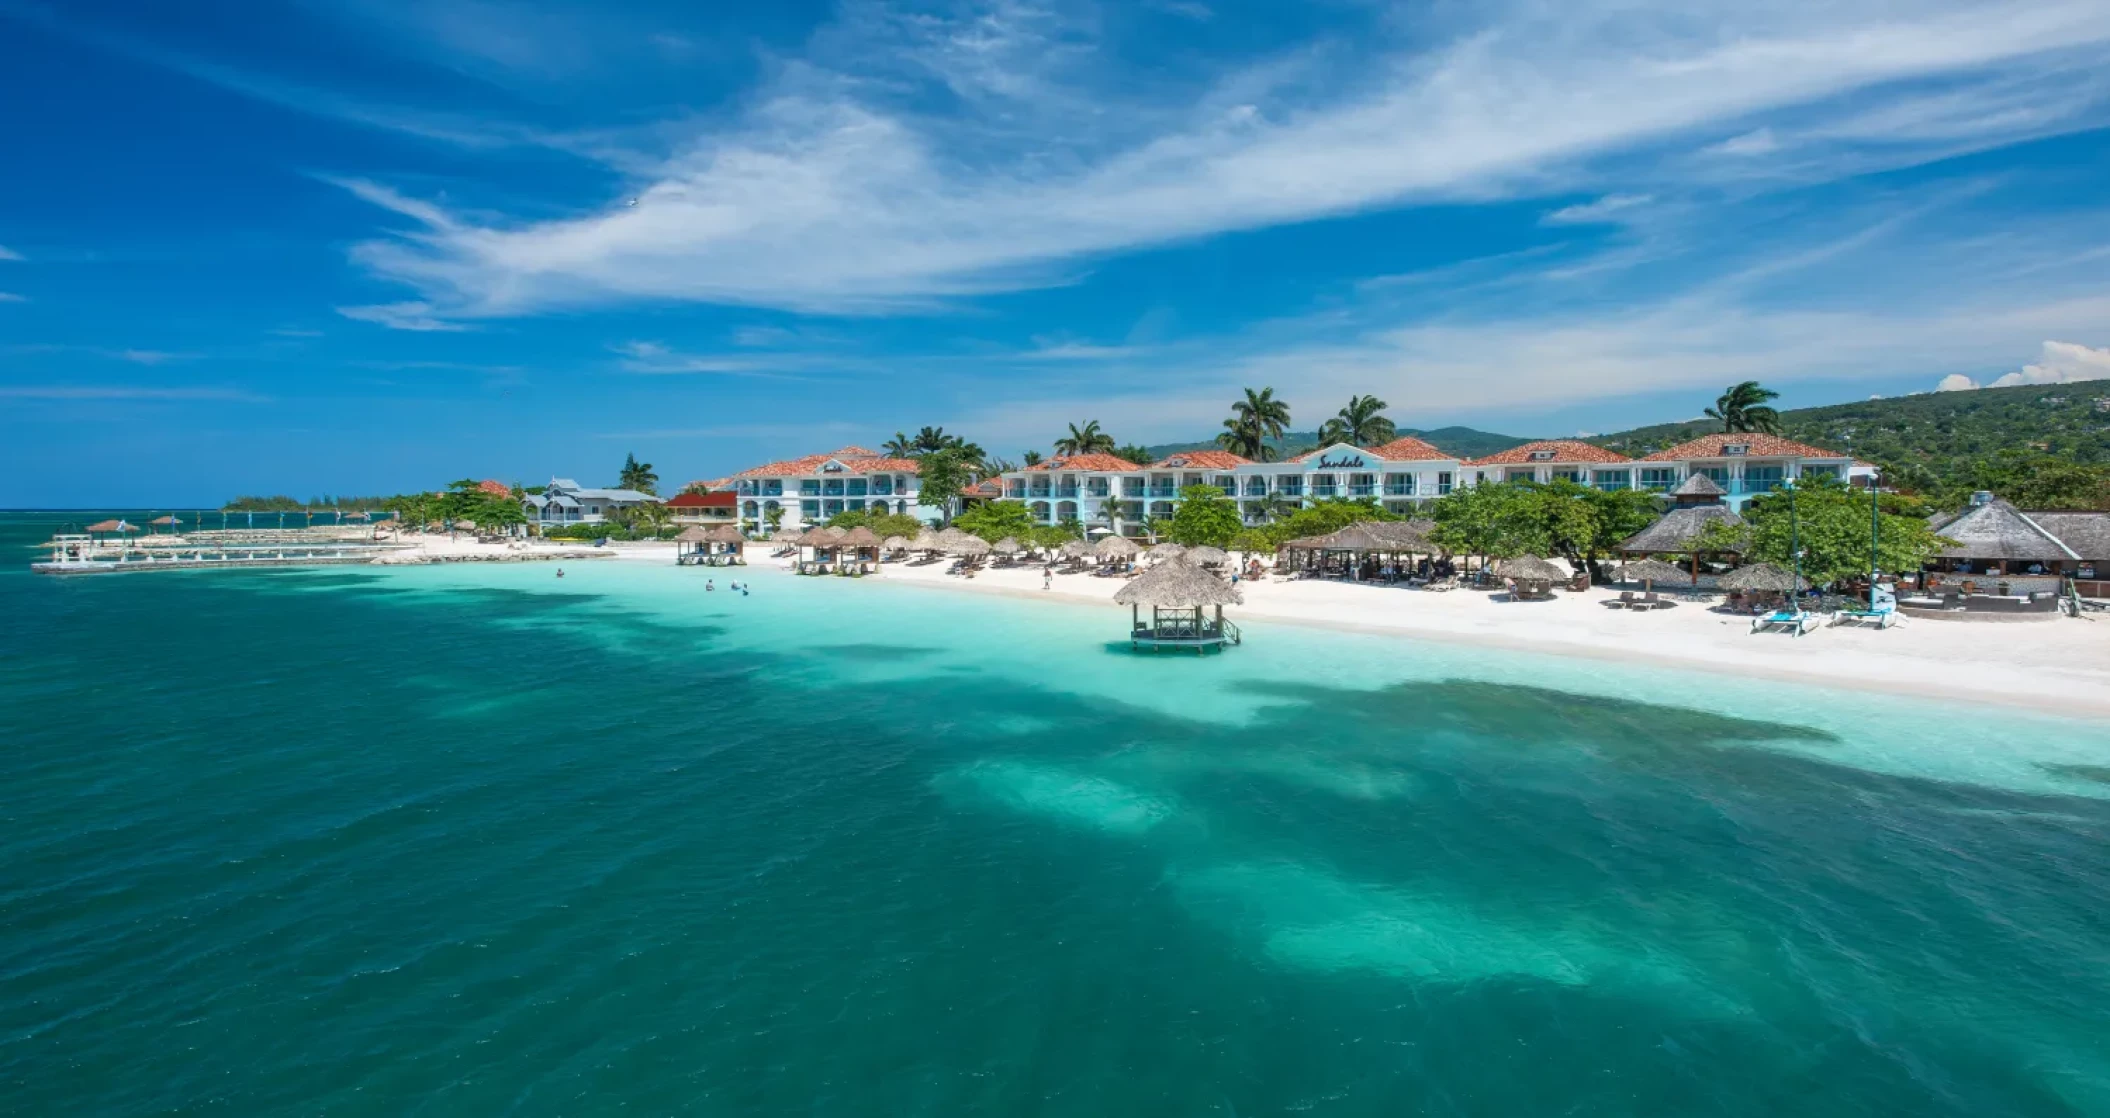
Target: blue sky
(355,246)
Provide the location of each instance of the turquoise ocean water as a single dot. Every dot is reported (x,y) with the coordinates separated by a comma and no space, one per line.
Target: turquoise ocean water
(473,840)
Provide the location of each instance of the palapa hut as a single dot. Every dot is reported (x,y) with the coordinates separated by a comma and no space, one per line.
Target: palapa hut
(1993,537)
(1363,549)
(692,548)
(1534,577)
(1676,532)
(927,542)
(1078,552)
(894,545)
(1648,572)
(1765,578)
(1207,556)
(168,522)
(969,547)
(1167,550)
(859,549)
(1180,596)
(1008,547)
(1114,549)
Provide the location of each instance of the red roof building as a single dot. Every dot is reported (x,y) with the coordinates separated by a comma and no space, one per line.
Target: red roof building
(708,507)
(813,487)
(495,488)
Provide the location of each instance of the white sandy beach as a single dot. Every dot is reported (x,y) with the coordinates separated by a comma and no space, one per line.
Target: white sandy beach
(2058,666)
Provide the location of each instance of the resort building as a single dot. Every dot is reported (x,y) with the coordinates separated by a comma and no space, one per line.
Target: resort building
(693,507)
(1743,465)
(811,489)
(1560,460)
(1100,489)
(565,501)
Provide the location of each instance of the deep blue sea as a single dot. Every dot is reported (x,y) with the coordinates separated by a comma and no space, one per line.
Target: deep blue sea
(475,840)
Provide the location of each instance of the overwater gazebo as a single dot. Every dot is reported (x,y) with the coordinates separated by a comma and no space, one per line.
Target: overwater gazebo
(858,547)
(715,546)
(1181,597)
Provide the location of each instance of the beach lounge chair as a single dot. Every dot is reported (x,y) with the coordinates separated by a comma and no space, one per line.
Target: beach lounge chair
(1625,600)
(1792,621)
(1651,601)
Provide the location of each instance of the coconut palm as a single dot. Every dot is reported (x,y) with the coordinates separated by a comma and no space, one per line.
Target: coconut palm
(1254,420)
(1030,458)
(637,475)
(1110,515)
(1361,423)
(1743,408)
(900,446)
(1088,439)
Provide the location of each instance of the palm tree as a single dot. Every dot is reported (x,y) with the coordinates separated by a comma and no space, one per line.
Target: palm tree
(1254,420)
(1110,514)
(900,446)
(1361,423)
(933,439)
(1031,458)
(1743,408)
(1088,439)
(637,475)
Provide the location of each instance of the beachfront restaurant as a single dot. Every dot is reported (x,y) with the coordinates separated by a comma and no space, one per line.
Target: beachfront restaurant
(2002,560)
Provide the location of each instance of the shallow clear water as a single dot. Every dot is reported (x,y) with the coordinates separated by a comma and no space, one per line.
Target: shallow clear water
(472,839)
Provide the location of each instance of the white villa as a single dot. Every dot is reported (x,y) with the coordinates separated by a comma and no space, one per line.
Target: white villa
(811,489)
(565,501)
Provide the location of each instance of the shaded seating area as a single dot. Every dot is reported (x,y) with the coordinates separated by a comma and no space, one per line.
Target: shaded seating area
(1186,608)
(720,545)
(1677,530)
(1647,572)
(1391,551)
(1529,578)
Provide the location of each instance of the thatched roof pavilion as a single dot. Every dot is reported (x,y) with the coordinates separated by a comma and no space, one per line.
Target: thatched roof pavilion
(1763,576)
(1998,536)
(1179,594)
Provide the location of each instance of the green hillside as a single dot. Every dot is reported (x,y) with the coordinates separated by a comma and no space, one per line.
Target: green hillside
(1938,442)
(1465,442)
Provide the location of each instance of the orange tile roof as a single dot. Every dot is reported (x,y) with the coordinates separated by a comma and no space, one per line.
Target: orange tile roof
(1564,450)
(1099,463)
(855,457)
(495,488)
(1762,446)
(1405,448)
(1199,460)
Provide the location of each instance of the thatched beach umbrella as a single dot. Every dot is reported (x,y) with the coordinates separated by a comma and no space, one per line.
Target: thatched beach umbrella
(970,547)
(1529,567)
(950,538)
(1207,556)
(1648,572)
(1164,551)
(926,540)
(1116,547)
(1762,576)
(1077,549)
(896,543)
(1009,545)
(168,522)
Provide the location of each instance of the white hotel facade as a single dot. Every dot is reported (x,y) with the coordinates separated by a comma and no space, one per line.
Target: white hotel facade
(1401,475)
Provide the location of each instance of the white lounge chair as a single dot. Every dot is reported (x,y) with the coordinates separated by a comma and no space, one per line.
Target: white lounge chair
(1793,621)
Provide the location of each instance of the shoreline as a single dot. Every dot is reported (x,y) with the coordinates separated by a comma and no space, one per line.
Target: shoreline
(1947,662)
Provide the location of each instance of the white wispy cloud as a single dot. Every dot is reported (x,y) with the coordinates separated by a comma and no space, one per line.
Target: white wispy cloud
(1605,209)
(2059,363)
(11,297)
(414,315)
(828,197)
(7,253)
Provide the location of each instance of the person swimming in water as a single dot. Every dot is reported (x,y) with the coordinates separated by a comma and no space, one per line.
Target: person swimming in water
(560,572)
(707,585)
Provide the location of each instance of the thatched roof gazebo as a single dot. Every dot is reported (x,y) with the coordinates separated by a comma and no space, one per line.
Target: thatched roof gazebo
(1363,539)
(1763,577)
(1678,531)
(1994,537)
(1179,595)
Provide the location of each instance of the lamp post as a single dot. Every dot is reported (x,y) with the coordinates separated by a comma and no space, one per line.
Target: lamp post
(1875,527)
(1794,540)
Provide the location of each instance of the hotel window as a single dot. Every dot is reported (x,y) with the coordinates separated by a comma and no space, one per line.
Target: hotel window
(1399,485)
(1322,485)
(1443,484)
(857,506)
(1132,487)
(1762,479)
(1659,480)
(1227,483)
(809,489)
(1829,471)
(1716,474)
(809,509)
(1290,485)
(1611,480)
(1566,475)
(1256,486)
(1524,474)
(1362,485)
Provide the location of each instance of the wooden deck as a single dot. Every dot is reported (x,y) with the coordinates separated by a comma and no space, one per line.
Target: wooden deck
(1210,635)
(111,560)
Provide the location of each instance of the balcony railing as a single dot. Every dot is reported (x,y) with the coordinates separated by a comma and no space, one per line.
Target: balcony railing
(1397,489)
(1289,489)
(1164,491)
(1067,491)
(1362,491)
(1324,491)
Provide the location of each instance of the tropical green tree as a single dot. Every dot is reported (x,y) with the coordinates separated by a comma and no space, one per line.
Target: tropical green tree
(943,475)
(1490,521)
(993,520)
(1140,455)
(2043,481)
(637,475)
(1743,408)
(1048,537)
(1088,439)
(900,446)
(1253,421)
(1361,423)
(1830,523)
(1204,516)
(1031,458)
(773,518)
(1110,514)
(882,524)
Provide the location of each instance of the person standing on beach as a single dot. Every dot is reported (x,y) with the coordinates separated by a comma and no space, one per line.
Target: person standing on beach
(1047,577)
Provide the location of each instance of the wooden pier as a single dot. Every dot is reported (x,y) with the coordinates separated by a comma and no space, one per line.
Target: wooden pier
(72,555)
